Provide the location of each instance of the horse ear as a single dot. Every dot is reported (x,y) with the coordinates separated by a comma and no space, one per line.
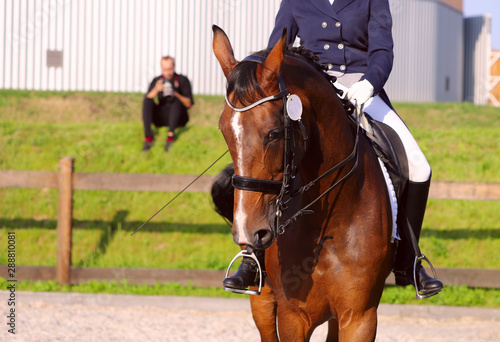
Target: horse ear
(270,68)
(223,50)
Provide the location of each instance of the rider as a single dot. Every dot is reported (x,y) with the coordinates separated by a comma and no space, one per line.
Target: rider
(353,39)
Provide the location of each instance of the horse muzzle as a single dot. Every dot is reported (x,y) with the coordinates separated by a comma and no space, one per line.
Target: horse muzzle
(259,239)
(263,238)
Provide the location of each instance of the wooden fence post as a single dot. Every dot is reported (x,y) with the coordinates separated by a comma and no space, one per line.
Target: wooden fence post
(64,219)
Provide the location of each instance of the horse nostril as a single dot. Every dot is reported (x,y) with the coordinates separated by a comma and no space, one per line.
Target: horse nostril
(262,237)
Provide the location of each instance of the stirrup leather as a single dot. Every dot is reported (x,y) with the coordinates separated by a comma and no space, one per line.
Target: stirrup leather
(420,294)
(245,254)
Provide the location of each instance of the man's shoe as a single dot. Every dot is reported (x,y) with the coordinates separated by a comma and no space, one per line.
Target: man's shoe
(147,146)
(427,286)
(247,275)
(168,143)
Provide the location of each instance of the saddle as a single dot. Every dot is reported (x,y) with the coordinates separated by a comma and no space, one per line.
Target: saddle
(389,148)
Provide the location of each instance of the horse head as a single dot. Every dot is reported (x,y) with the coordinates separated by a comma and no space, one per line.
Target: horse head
(253,126)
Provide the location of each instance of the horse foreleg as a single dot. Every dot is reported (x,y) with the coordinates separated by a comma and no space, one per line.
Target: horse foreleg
(333,331)
(360,326)
(293,325)
(264,314)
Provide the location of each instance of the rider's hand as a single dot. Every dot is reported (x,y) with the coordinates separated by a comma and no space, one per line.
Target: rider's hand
(360,92)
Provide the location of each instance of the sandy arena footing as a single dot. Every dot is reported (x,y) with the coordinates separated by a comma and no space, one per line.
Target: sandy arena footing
(42,316)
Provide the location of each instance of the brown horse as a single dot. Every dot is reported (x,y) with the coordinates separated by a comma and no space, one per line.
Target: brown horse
(329,266)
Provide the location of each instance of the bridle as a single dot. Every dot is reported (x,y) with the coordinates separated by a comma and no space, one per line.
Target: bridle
(283,187)
(256,184)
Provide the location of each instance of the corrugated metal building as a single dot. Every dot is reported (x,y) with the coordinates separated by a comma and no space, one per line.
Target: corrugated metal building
(477,59)
(428,50)
(115,45)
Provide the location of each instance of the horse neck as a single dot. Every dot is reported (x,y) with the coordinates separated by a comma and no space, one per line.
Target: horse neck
(332,141)
(335,138)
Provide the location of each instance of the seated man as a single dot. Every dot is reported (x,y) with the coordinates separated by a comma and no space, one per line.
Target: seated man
(174,98)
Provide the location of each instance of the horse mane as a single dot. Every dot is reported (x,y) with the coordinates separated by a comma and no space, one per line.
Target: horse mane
(243,80)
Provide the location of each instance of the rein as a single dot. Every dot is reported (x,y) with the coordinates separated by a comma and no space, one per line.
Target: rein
(180,192)
(281,188)
(352,155)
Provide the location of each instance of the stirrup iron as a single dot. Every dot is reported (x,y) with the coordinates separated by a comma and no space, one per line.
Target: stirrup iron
(245,254)
(419,294)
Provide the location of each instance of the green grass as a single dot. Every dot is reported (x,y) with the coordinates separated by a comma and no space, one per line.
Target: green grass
(84,107)
(103,131)
(108,147)
(451,295)
(189,234)
(460,141)
(122,287)
(186,234)
(463,234)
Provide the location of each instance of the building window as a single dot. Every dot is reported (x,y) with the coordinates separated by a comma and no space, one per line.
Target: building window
(54,58)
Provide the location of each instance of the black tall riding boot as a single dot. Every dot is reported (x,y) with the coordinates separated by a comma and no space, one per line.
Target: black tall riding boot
(414,206)
(247,274)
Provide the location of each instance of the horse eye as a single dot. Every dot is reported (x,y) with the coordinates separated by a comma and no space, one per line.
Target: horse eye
(273,135)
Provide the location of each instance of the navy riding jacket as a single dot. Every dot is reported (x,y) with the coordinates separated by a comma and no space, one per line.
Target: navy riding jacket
(350,36)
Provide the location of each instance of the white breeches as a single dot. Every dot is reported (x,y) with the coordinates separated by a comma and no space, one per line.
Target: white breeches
(419,168)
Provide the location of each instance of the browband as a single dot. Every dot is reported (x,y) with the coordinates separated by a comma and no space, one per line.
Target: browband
(282,93)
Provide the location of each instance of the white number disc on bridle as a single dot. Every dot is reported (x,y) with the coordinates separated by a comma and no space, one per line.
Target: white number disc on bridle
(294,107)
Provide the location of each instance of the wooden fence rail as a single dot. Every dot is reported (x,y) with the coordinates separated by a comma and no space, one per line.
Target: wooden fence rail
(66,181)
(174,183)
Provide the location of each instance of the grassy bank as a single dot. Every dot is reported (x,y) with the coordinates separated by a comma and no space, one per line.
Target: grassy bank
(103,131)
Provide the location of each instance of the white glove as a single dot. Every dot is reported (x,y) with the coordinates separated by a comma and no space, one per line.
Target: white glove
(360,92)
